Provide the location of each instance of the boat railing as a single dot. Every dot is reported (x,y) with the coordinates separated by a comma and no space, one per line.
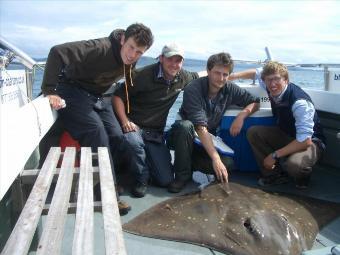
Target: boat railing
(11,54)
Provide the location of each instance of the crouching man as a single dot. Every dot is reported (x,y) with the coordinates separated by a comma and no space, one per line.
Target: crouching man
(297,142)
(204,102)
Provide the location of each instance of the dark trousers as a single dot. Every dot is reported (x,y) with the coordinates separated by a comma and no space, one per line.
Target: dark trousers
(265,140)
(190,157)
(90,119)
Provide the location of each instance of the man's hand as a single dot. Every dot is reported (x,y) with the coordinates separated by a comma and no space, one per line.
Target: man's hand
(56,102)
(220,170)
(129,127)
(236,126)
(269,162)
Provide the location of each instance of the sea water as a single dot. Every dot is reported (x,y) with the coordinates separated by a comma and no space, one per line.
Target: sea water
(303,77)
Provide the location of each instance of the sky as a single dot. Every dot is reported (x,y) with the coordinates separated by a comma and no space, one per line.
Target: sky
(295,31)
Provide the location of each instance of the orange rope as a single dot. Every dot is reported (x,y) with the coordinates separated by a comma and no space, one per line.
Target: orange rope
(126,87)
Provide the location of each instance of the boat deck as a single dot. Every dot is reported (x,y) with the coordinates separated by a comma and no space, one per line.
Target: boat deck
(324,185)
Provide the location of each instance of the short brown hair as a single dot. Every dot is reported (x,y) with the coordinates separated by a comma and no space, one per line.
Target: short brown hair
(220,59)
(140,33)
(273,67)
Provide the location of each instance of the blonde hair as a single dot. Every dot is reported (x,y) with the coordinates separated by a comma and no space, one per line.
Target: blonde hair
(273,67)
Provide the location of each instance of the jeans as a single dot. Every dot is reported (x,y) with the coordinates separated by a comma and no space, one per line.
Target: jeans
(148,159)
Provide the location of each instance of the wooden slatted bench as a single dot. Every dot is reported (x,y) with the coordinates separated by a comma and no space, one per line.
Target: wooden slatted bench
(51,238)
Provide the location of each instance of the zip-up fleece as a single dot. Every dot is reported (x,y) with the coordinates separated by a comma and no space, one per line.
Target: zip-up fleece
(151,97)
(93,65)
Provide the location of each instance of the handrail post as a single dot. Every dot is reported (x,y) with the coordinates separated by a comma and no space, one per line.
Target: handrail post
(326,77)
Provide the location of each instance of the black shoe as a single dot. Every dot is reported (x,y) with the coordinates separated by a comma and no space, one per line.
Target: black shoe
(177,185)
(274,179)
(119,189)
(139,189)
(302,181)
(123,207)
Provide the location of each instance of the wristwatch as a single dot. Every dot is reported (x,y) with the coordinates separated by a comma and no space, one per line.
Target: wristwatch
(275,156)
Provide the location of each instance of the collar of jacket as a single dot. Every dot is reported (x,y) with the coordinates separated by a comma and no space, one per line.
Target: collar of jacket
(161,79)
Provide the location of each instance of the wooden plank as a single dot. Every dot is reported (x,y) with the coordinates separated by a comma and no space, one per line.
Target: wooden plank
(28,176)
(83,231)
(114,242)
(52,235)
(72,208)
(22,234)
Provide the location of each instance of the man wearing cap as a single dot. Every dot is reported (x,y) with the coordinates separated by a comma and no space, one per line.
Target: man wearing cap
(142,110)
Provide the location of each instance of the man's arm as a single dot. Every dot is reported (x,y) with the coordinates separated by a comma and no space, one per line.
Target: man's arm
(246,74)
(53,69)
(293,147)
(119,107)
(237,124)
(206,140)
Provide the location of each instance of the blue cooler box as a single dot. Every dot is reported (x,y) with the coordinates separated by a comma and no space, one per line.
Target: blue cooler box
(243,155)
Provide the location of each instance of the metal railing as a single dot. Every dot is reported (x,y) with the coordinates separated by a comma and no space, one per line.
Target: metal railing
(10,54)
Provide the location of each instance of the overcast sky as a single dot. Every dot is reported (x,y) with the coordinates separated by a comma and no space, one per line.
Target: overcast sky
(295,31)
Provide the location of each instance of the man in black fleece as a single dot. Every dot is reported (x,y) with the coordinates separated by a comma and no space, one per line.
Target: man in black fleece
(77,74)
(143,116)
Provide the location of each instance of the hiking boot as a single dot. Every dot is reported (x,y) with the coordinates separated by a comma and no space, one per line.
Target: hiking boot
(177,185)
(123,207)
(139,189)
(274,179)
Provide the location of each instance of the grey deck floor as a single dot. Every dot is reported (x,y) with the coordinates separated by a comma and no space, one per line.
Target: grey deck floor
(325,184)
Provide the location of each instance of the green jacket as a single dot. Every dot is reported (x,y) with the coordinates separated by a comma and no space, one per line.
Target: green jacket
(151,98)
(93,65)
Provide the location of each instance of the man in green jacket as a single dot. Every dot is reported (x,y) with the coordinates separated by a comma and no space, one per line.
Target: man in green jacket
(77,74)
(142,110)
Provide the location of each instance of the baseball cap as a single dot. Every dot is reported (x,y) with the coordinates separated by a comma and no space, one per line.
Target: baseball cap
(172,49)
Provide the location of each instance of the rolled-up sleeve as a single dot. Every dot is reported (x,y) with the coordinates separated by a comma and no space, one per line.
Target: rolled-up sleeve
(303,112)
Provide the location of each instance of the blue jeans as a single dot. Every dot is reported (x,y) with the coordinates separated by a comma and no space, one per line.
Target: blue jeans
(147,159)
(90,119)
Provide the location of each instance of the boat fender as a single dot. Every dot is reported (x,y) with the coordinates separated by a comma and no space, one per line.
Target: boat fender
(66,140)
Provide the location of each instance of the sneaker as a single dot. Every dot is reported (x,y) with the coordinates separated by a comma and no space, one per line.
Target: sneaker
(177,185)
(139,189)
(123,207)
(274,179)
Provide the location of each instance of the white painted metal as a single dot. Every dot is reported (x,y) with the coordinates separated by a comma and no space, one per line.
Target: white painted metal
(21,129)
(334,79)
(19,54)
(327,101)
